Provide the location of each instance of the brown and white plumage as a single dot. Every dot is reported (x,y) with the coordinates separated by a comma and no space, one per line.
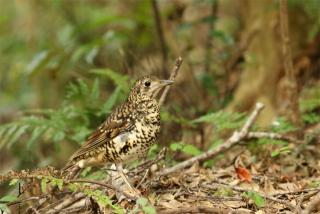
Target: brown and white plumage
(127,133)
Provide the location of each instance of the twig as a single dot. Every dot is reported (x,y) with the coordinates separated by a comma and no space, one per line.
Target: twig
(66,203)
(274,136)
(213,197)
(143,178)
(172,77)
(233,140)
(162,41)
(145,165)
(313,204)
(103,185)
(296,192)
(25,200)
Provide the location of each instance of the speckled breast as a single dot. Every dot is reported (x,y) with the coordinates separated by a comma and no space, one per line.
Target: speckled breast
(135,144)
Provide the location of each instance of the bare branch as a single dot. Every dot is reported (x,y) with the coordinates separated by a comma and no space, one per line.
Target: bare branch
(103,185)
(274,136)
(66,203)
(147,164)
(233,140)
(172,77)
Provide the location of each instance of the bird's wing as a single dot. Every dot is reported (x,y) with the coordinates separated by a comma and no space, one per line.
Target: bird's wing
(111,128)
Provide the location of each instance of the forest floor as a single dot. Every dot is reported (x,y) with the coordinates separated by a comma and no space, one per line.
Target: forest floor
(250,183)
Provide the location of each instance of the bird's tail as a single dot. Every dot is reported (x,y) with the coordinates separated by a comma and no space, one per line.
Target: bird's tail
(70,170)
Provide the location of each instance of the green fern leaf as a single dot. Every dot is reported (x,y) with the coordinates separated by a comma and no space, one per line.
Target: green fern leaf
(118,79)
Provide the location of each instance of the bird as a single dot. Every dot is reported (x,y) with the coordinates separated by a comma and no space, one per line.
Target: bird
(126,134)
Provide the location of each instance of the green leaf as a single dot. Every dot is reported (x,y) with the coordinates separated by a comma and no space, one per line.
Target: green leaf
(222,120)
(9,130)
(4,208)
(36,133)
(13,182)
(281,125)
(256,198)
(142,201)
(309,104)
(176,146)
(18,132)
(95,90)
(311,118)
(73,187)
(119,79)
(149,210)
(43,185)
(91,55)
(185,148)
(97,175)
(38,61)
(57,182)
(191,150)
(283,150)
(145,206)
(8,198)
(268,141)
(58,136)
(84,89)
(108,105)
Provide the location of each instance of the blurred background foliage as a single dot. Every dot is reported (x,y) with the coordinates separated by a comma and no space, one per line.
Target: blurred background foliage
(66,64)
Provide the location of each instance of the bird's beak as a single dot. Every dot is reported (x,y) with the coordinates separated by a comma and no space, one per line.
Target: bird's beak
(166,82)
(155,88)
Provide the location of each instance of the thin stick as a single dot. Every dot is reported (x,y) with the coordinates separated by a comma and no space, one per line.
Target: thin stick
(274,136)
(24,200)
(233,140)
(147,164)
(172,77)
(143,178)
(296,192)
(66,203)
(103,185)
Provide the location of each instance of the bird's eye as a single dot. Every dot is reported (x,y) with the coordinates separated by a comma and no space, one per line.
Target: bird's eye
(147,83)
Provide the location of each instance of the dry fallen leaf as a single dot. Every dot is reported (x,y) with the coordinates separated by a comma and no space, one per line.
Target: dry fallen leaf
(243,174)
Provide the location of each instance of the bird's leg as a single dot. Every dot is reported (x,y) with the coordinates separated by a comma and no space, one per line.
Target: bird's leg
(123,176)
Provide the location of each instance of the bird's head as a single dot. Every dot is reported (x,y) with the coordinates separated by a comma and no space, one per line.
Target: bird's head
(147,88)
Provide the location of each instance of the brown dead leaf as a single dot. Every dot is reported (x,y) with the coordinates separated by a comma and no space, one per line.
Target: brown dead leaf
(243,174)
